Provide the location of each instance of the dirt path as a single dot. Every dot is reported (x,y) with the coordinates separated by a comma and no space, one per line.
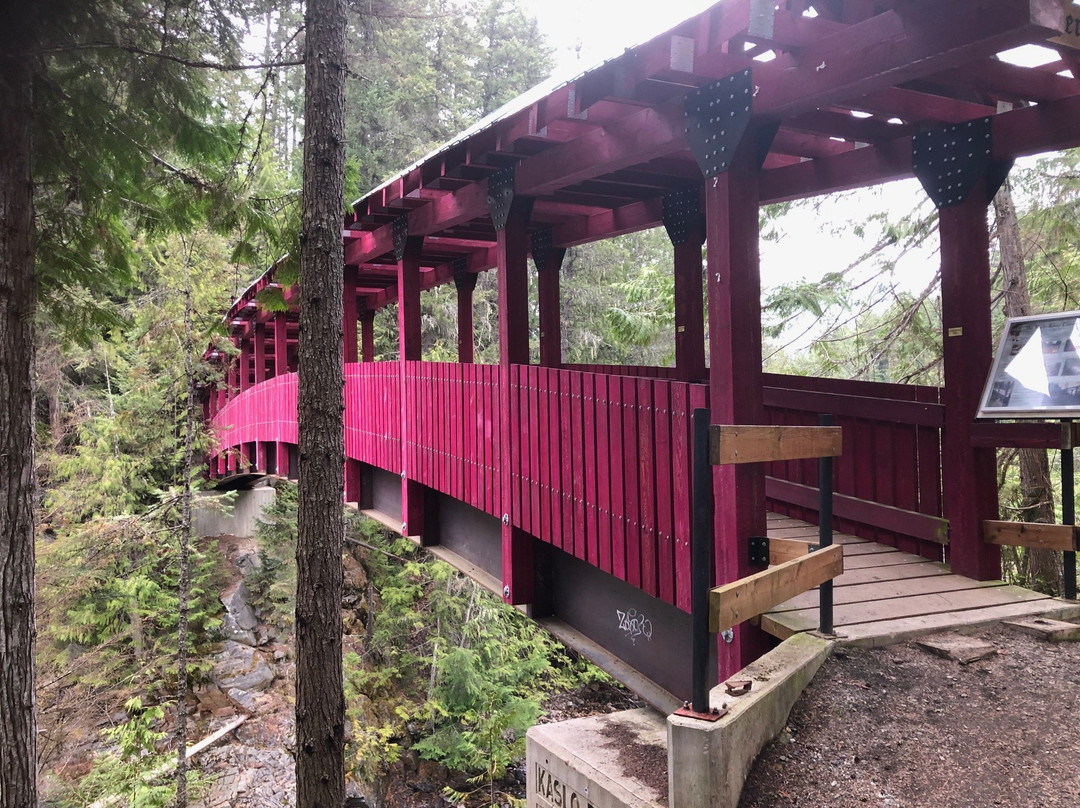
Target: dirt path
(898,726)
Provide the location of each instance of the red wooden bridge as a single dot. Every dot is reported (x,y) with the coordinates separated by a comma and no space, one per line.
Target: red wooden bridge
(567,488)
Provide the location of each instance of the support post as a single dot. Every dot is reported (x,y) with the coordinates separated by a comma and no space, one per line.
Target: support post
(969,474)
(1068,504)
(245,362)
(735,381)
(701,562)
(513,253)
(260,353)
(682,220)
(549,301)
(350,353)
(409,350)
(825,530)
(465,283)
(281,367)
(367,333)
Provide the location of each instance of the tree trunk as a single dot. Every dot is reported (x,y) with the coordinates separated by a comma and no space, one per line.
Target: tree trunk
(1040,567)
(320,700)
(184,588)
(18,728)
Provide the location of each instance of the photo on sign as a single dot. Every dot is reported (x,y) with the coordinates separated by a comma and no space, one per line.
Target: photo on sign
(1036,373)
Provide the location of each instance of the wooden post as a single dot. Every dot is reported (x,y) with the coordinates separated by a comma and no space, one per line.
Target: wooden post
(549,300)
(969,481)
(465,283)
(245,362)
(689,310)
(260,353)
(348,298)
(735,382)
(409,350)
(513,253)
(367,333)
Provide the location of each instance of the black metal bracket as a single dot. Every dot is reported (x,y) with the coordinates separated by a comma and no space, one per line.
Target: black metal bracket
(501,196)
(682,213)
(540,244)
(949,162)
(400,228)
(758,551)
(762,18)
(463,279)
(716,119)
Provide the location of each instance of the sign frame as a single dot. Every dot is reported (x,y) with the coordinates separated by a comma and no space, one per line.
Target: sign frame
(1052,370)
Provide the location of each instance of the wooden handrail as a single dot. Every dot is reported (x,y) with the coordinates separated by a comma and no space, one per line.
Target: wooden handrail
(748,597)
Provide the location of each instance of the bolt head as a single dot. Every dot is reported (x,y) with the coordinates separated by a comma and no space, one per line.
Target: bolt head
(506,519)
(404,527)
(506,591)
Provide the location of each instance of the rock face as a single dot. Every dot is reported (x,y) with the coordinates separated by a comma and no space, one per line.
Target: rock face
(239,621)
(241,666)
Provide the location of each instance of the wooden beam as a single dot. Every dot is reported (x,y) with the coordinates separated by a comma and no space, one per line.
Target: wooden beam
(763,444)
(1031,534)
(741,600)
(783,550)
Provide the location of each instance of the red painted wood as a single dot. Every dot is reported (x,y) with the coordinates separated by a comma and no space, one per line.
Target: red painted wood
(680,491)
(577,438)
(409,350)
(734,287)
(465,283)
(631,483)
(513,249)
(968,474)
(537,448)
(689,310)
(589,469)
(350,350)
(666,473)
(616,468)
(244,369)
(519,416)
(367,335)
(546,436)
(566,466)
(260,353)
(604,457)
(548,301)
(647,428)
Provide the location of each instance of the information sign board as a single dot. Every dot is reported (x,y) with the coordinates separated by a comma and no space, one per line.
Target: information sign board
(1036,373)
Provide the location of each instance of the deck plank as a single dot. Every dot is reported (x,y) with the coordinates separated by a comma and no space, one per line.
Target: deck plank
(850,615)
(870,575)
(886,590)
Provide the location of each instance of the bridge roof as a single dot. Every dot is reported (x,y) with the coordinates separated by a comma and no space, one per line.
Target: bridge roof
(844,84)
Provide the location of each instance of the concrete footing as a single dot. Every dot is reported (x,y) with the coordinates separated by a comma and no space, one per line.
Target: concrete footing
(603,761)
(214,518)
(708,761)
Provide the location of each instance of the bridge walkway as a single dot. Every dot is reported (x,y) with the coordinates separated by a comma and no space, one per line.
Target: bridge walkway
(886,596)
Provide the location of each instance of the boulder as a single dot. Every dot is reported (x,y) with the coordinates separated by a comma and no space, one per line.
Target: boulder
(241,666)
(239,621)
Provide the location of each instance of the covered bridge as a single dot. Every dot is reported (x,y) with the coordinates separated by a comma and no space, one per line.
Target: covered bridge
(567,488)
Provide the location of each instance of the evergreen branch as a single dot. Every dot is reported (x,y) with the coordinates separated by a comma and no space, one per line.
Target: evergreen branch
(195,64)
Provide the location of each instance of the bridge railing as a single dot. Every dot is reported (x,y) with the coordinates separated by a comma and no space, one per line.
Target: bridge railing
(600,461)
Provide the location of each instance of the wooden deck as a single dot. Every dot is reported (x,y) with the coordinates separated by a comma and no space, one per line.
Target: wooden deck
(885,596)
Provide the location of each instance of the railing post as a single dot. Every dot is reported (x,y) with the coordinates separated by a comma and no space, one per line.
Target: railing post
(701,560)
(1068,504)
(825,529)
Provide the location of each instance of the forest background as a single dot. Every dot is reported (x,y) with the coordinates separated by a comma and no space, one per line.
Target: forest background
(166,169)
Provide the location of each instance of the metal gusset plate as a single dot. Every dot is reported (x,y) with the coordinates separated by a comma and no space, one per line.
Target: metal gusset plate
(401,235)
(501,196)
(949,162)
(463,279)
(716,119)
(540,243)
(682,214)
(758,551)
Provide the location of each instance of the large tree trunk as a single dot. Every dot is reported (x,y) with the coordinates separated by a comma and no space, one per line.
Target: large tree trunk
(18,727)
(320,701)
(1039,567)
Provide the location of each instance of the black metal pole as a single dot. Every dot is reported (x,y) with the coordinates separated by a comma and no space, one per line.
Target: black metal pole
(1068,508)
(825,532)
(701,561)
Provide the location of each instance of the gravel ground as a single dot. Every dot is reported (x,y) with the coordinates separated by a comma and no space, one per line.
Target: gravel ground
(898,726)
